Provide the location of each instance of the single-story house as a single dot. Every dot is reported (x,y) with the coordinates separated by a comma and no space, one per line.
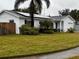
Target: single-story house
(63,23)
(20,18)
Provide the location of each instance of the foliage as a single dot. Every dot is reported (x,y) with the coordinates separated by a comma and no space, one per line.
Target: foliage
(64,12)
(73,13)
(48,31)
(22,10)
(25,29)
(46,27)
(46,24)
(36,4)
(71,30)
(34,7)
(56,30)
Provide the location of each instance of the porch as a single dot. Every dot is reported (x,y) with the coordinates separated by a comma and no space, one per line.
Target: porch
(58,26)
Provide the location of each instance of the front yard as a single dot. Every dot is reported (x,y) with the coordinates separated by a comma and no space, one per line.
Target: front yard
(12,45)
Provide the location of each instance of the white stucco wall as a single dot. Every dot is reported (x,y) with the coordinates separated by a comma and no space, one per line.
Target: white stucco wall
(5,17)
(68,23)
(21,22)
(36,23)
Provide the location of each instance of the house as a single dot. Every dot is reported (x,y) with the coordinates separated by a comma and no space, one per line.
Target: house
(63,23)
(20,18)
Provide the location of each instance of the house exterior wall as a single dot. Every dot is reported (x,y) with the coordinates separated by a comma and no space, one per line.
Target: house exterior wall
(21,22)
(36,23)
(5,17)
(67,23)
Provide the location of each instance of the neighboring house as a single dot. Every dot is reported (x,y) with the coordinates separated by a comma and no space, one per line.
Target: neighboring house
(63,23)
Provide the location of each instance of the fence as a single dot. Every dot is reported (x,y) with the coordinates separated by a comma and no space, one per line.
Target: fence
(7,28)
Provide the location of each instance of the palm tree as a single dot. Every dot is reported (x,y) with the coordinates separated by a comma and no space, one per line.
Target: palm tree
(34,7)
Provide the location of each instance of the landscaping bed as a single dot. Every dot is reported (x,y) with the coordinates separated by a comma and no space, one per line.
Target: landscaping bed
(14,45)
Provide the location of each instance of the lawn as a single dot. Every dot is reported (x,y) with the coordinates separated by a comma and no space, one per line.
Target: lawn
(12,45)
(77,57)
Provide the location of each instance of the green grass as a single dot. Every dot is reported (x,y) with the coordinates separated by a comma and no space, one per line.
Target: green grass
(76,57)
(12,45)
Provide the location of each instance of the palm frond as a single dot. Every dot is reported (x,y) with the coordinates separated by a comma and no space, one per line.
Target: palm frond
(47,3)
(18,2)
(39,5)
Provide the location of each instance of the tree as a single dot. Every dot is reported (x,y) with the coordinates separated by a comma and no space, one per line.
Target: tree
(34,7)
(73,13)
(64,12)
(22,10)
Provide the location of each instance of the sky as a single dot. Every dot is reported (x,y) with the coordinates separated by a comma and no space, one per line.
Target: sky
(55,6)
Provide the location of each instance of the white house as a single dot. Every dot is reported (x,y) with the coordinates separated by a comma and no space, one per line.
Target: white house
(20,18)
(63,23)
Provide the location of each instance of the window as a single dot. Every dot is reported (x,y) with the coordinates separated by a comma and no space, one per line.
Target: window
(11,21)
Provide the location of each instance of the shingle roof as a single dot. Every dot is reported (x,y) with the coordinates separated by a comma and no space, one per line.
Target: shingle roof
(27,14)
(58,18)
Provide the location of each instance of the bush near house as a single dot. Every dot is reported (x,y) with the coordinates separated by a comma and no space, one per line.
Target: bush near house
(71,30)
(26,29)
(46,27)
(56,30)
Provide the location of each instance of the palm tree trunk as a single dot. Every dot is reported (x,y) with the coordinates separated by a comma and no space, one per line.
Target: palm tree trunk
(32,19)
(32,13)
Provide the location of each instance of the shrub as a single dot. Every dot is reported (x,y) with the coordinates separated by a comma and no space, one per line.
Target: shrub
(56,30)
(46,24)
(46,27)
(26,29)
(71,30)
(46,31)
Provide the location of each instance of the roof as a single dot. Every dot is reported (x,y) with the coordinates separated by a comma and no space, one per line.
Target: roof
(59,18)
(25,14)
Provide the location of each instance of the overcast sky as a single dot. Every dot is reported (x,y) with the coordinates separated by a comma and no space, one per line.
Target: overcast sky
(55,6)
